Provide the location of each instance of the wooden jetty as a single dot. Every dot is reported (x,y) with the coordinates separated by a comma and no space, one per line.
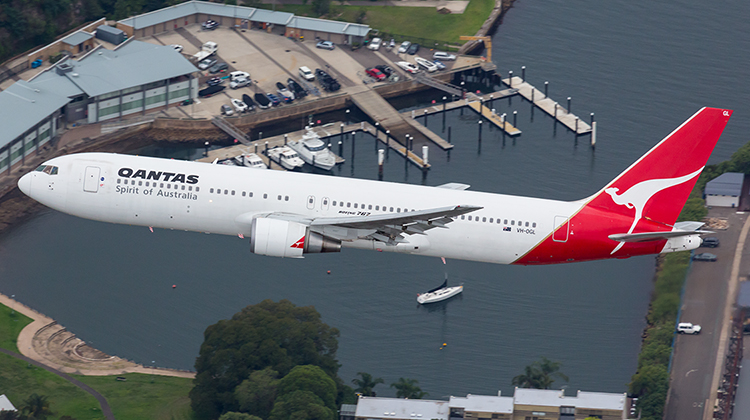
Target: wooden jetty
(494,118)
(555,110)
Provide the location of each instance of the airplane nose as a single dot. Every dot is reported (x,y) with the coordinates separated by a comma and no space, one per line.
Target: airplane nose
(24,184)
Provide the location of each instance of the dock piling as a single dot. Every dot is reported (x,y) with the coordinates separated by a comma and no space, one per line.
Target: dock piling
(381,159)
(425,155)
(206,152)
(593,134)
(260,135)
(285,139)
(523,73)
(480,131)
(347,117)
(592,118)
(576,126)
(342,134)
(256,148)
(425,118)
(341,148)
(568,104)
(510,78)
(266,147)
(532,97)
(413,113)
(515,118)
(546,85)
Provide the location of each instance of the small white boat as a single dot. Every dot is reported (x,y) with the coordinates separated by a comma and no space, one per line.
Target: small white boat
(286,157)
(313,150)
(251,160)
(440,293)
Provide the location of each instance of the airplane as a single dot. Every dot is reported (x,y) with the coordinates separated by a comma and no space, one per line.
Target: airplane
(286,214)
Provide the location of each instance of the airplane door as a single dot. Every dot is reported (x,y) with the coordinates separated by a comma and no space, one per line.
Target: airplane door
(91,179)
(561,234)
(310,202)
(324,204)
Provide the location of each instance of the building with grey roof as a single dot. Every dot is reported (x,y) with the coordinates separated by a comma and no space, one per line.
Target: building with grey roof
(725,190)
(102,85)
(288,24)
(401,409)
(5,404)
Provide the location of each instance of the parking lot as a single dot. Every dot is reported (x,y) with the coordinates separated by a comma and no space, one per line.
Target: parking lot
(271,58)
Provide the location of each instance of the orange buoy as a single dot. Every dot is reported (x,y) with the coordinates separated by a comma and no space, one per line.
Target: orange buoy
(174,286)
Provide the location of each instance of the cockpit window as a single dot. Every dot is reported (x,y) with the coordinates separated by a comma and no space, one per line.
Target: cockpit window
(47,169)
(40,168)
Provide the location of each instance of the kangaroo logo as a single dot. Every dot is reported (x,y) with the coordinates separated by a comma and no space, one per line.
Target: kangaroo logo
(638,195)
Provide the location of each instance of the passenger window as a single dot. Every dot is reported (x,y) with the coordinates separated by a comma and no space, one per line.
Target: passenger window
(147,183)
(391,209)
(484,219)
(369,207)
(226,192)
(398,210)
(362,206)
(491,220)
(232,192)
(243,193)
(286,198)
(161,185)
(519,223)
(197,189)
(505,221)
(190,188)
(140,183)
(125,182)
(118,180)
(334,204)
(183,189)
(355,205)
(279,197)
(533,224)
(498,221)
(265,195)
(469,217)
(310,200)
(377,207)
(169,186)
(250,194)
(463,217)
(325,201)
(512,222)
(527,224)
(348,204)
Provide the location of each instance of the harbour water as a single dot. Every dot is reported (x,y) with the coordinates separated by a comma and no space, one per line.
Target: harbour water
(643,68)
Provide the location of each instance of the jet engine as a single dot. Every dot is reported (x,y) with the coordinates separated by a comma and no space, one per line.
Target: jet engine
(682,243)
(280,238)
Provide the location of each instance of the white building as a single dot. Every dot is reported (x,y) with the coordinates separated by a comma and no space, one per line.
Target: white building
(725,190)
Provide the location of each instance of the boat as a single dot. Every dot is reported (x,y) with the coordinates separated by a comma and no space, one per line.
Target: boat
(439,293)
(262,100)
(313,150)
(250,160)
(285,157)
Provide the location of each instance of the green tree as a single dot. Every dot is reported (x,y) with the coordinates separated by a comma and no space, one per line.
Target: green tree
(408,388)
(321,7)
(269,334)
(539,375)
(9,415)
(310,378)
(649,379)
(301,405)
(530,378)
(550,369)
(231,415)
(256,394)
(366,383)
(36,407)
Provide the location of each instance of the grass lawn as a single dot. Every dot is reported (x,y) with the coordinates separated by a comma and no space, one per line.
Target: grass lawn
(144,397)
(10,326)
(421,22)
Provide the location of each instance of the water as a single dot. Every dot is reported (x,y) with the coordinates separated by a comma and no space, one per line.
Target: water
(642,67)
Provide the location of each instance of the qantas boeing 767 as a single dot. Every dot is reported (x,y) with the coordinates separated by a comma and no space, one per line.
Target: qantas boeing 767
(287,214)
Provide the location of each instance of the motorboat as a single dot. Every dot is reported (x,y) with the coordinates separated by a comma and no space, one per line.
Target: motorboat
(439,293)
(262,100)
(250,160)
(313,150)
(286,157)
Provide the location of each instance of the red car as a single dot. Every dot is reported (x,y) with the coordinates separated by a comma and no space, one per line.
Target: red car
(375,73)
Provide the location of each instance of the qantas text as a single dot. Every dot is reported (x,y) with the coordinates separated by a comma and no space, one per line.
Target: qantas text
(158,176)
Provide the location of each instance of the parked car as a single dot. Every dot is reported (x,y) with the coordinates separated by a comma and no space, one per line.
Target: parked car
(404,46)
(210,91)
(387,70)
(226,110)
(239,75)
(238,105)
(392,44)
(704,256)
(710,242)
(176,47)
(326,81)
(688,328)
(275,101)
(306,73)
(439,55)
(326,45)
(375,74)
(218,68)
(439,64)
(413,49)
(299,91)
(284,92)
(206,63)
(426,64)
(210,25)
(241,82)
(214,81)
(411,68)
(374,44)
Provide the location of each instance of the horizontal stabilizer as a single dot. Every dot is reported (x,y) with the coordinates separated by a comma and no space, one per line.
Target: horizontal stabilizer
(454,186)
(654,236)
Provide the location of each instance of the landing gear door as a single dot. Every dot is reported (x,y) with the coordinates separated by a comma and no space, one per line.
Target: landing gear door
(561,234)
(91,179)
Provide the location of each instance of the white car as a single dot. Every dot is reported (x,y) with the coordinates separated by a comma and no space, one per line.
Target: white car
(439,55)
(241,82)
(306,73)
(177,47)
(404,46)
(426,64)
(239,106)
(688,328)
(374,44)
(208,62)
(238,75)
(411,68)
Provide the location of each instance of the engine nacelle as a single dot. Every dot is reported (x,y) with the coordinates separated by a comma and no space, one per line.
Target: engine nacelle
(280,238)
(682,243)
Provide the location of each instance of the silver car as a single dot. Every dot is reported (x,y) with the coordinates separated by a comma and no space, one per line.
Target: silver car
(404,46)
(241,82)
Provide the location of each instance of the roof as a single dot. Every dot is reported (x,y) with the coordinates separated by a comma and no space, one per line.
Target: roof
(348,409)
(331,26)
(270,16)
(130,65)
(77,38)
(187,9)
(743,299)
(109,29)
(398,408)
(557,398)
(729,183)
(483,403)
(5,404)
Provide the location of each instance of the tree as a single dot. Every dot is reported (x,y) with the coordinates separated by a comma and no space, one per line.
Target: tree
(36,407)
(231,415)
(366,384)
(256,394)
(408,388)
(301,405)
(9,415)
(321,7)
(539,375)
(313,379)
(269,334)
(529,379)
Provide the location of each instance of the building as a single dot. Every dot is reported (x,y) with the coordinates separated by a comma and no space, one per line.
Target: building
(102,85)
(525,404)
(242,17)
(725,190)
(5,404)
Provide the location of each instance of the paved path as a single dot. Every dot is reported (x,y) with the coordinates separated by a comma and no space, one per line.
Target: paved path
(106,410)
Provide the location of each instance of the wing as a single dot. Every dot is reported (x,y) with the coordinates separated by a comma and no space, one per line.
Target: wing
(679,229)
(391,228)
